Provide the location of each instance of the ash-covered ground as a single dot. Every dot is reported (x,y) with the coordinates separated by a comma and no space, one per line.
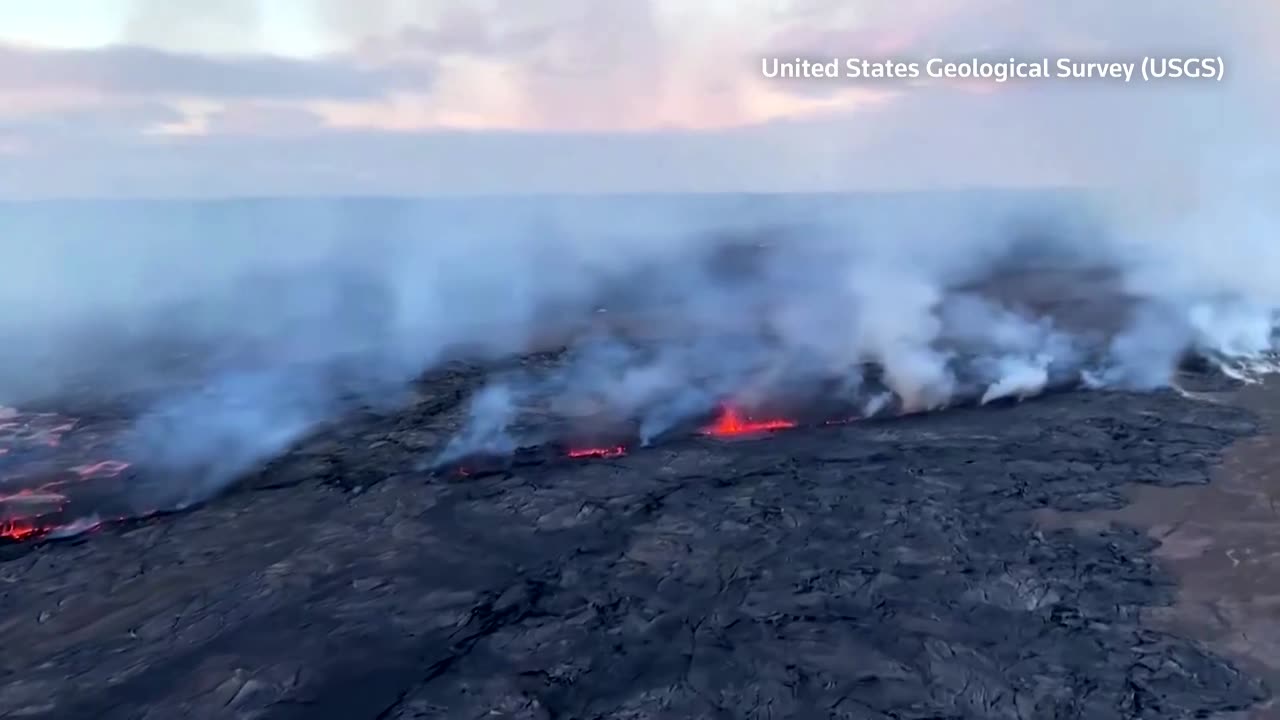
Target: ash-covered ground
(878,569)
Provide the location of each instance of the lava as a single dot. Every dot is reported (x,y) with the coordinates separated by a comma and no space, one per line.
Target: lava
(732,423)
(24,514)
(46,429)
(47,494)
(19,530)
(603,452)
(105,468)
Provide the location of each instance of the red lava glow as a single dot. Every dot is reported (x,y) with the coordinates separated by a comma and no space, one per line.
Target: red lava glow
(34,528)
(33,514)
(20,529)
(732,423)
(609,452)
(24,514)
(39,497)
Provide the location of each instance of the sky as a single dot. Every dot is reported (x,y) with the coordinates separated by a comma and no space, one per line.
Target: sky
(322,97)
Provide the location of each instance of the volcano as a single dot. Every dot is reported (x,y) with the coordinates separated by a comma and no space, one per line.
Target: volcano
(775,549)
(871,568)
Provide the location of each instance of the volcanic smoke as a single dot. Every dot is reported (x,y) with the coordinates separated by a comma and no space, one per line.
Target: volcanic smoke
(235,329)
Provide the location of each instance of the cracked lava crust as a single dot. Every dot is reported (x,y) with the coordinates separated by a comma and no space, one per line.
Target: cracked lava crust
(869,570)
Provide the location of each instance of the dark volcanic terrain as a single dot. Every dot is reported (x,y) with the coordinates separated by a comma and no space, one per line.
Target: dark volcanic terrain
(875,570)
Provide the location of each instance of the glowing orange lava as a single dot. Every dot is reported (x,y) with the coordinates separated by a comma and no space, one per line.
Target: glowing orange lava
(21,513)
(18,530)
(609,452)
(39,499)
(732,423)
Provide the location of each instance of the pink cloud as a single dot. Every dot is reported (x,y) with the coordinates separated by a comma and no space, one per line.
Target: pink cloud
(600,92)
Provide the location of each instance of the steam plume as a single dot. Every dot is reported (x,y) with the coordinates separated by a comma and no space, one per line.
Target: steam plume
(242,325)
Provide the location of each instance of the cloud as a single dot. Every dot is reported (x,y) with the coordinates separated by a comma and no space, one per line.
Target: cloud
(261,119)
(925,27)
(32,139)
(467,31)
(604,66)
(564,64)
(840,152)
(647,94)
(114,120)
(223,24)
(140,71)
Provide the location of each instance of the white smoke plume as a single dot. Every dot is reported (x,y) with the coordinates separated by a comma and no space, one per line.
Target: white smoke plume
(240,326)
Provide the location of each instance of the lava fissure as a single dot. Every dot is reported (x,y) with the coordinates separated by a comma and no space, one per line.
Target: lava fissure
(45,496)
(733,423)
(729,423)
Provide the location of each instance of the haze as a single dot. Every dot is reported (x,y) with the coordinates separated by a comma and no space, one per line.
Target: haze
(331,97)
(279,311)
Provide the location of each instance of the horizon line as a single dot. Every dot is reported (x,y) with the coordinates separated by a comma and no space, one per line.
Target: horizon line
(517,194)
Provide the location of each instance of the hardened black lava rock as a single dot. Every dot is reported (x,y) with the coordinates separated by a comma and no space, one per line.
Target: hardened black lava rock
(876,570)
